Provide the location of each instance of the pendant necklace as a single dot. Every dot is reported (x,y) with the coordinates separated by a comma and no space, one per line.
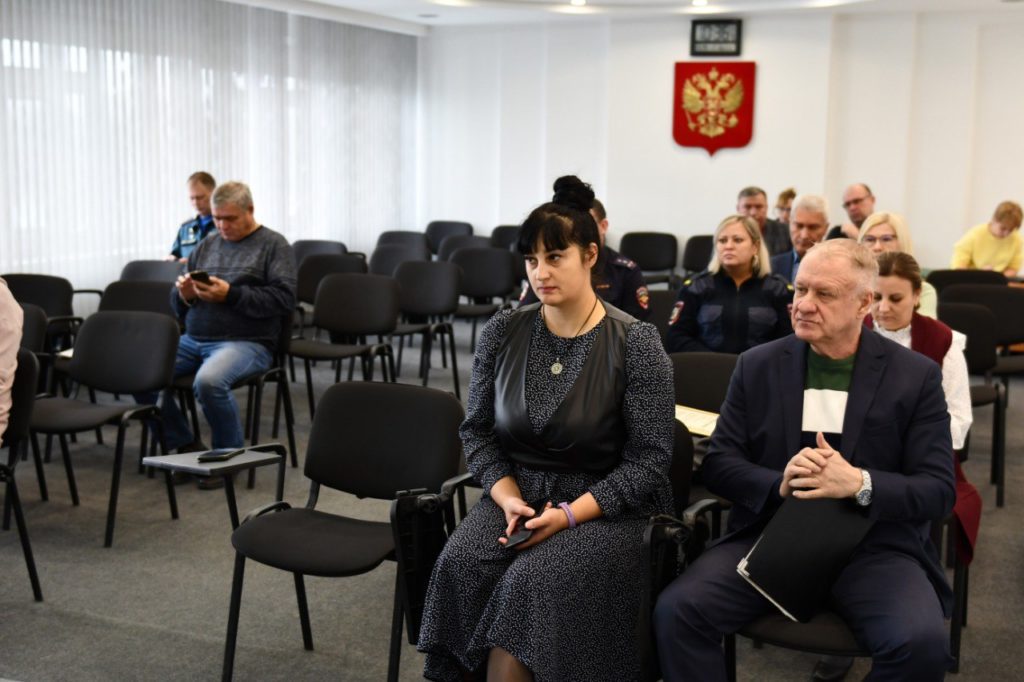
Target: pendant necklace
(557,367)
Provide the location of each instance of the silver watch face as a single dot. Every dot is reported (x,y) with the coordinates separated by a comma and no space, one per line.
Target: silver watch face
(864,497)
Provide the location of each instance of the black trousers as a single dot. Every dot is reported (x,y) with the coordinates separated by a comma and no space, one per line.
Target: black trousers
(885,598)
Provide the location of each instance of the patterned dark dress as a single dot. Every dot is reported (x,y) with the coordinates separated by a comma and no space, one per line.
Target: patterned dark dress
(567,607)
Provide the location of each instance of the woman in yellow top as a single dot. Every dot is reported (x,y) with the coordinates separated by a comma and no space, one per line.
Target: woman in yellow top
(995,245)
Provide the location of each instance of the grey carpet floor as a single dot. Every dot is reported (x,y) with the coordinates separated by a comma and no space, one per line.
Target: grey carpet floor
(154,607)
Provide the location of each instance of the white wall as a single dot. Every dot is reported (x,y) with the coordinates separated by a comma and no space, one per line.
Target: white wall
(926,108)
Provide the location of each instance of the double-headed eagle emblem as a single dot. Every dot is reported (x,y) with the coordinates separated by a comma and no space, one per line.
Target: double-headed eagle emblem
(710,102)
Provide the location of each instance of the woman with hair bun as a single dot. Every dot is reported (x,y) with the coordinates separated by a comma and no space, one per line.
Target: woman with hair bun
(570,414)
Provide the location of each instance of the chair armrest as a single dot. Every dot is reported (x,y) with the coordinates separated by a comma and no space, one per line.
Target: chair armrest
(276,448)
(449,487)
(64,318)
(699,509)
(266,509)
(98,292)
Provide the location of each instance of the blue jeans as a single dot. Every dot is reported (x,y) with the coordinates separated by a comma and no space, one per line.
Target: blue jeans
(217,366)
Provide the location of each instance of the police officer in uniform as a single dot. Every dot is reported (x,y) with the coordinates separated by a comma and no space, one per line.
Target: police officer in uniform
(619,282)
(193,231)
(736,303)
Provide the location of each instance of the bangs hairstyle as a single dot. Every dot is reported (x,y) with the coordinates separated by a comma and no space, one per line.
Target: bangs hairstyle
(761,264)
(893,220)
(902,265)
(562,222)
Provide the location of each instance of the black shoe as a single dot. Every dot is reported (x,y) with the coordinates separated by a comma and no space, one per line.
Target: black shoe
(831,668)
(210,483)
(194,446)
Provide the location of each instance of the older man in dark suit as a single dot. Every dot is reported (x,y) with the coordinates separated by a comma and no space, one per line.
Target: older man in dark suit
(807,226)
(834,411)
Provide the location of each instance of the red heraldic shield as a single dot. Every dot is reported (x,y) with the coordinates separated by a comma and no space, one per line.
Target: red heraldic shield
(713,104)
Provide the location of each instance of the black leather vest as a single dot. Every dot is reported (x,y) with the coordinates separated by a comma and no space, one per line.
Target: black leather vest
(587,432)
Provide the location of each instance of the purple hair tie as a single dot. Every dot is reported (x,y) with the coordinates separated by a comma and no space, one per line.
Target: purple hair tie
(564,506)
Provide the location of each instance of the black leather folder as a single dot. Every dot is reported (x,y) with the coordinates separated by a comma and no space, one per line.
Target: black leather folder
(802,551)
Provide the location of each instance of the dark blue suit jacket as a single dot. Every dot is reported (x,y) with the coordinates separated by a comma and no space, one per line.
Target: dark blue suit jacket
(782,265)
(896,426)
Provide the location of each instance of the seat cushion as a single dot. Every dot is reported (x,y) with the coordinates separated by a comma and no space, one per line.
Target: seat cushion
(1009,364)
(312,542)
(64,415)
(983,394)
(409,328)
(477,309)
(826,633)
(318,350)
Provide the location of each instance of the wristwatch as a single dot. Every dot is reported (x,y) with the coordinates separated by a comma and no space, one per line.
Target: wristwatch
(863,495)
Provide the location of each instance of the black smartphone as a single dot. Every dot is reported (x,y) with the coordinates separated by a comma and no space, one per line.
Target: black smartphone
(521,533)
(200,276)
(220,455)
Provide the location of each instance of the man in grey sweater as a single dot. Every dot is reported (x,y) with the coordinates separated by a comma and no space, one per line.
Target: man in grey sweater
(239,290)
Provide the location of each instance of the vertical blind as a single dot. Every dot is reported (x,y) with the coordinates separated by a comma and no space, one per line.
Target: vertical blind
(107,106)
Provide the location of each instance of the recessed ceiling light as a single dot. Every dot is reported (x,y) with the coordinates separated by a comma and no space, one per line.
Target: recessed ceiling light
(577,3)
(700,3)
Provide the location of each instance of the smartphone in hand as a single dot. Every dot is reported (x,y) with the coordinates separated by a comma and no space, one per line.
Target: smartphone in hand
(521,533)
(201,276)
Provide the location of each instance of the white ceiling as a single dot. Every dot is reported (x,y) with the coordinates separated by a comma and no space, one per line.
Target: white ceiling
(416,16)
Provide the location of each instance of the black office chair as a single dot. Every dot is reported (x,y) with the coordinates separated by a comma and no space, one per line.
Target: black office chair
(149,296)
(166,271)
(304,248)
(702,379)
(439,230)
(979,325)
(428,291)
(654,252)
(487,274)
(116,352)
(351,307)
(405,238)
(660,302)
(453,243)
(940,279)
(386,258)
(33,327)
(54,295)
(23,391)
(314,268)
(697,253)
(361,443)
(505,236)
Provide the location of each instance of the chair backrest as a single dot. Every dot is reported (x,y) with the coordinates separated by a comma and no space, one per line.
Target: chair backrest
(52,294)
(978,324)
(505,236)
(125,352)
(372,439)
(486,272)
(651,250)
(697,252)
(318,265)
(404,238)
(439,230)
(33,328)
(461,241)
(23,396)
(702,379)
(304,248)
(428,287)
(681,470)
(152,271)
(1005,302)
(940,279)
(144,296)
(660,302)
(387,257)
(351,305)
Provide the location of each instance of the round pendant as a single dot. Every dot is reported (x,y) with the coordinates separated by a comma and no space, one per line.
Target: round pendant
(556,368)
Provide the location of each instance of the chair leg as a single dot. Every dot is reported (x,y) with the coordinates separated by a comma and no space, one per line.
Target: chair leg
(455,368)
(390,355)
(1000,455)
(158,437)
(115,485)
(300,594)
(401,346)
(289,421)
(277,407)
(233,610)
(395,653)
(66,456)
(40,473)
(730,657)
(428,342)
(26,546)
(309,388)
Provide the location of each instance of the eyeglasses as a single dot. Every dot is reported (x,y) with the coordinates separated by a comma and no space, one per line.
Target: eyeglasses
(885,239)
(854,202)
